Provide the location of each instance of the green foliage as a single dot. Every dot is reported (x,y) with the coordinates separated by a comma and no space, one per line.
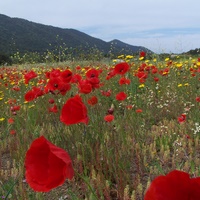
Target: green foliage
(5,59)
(194,52)
(111,160)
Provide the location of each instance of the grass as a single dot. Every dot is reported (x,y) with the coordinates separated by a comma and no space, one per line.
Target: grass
(115,160)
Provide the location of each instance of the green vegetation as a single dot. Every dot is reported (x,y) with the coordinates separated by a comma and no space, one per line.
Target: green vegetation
(155,129)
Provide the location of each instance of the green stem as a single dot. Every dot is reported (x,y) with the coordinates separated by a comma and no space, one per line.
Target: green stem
(88,184)
(11,188)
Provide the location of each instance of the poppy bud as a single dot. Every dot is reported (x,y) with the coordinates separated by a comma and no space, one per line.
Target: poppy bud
(14,113)
(111,110)
(51,101)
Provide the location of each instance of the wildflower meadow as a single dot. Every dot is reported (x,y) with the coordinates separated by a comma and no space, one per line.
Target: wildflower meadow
(127,129)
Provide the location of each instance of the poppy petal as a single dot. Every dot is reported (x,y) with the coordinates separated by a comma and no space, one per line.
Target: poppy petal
(74,111)
(173,186)
(47,166)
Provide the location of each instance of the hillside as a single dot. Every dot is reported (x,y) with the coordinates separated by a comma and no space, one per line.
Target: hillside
(25,36)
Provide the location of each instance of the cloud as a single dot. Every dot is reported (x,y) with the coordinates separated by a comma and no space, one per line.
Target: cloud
(167,44)
(127,20)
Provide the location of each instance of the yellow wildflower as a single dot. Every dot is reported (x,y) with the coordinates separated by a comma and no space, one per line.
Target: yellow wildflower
(193,60)
(141,85)
(12,83)
(129,57)
(120,56)
(179,64)
(31,106)
(165,73)
(141,58)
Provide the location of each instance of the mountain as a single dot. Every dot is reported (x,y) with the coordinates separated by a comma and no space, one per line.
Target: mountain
(193,52)
(20,35)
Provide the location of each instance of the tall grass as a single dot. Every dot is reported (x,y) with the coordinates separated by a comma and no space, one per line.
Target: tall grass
(115,160)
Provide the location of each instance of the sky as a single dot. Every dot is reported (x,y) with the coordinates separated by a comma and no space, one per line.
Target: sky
(163,26)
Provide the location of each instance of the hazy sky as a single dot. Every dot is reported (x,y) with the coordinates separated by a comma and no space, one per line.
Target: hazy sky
(160,25)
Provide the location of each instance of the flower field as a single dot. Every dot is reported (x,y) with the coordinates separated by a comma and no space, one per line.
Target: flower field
(100,130)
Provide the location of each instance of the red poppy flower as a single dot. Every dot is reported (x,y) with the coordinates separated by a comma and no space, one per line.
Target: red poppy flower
(154,70)
(54,84)
(66,76)
(164,72)
(187,136)
(54,73)
(142,54)
(47,166)
(156,79)
(92,77)
(51,101)
(28,76)
(106,93)
(182,118)
(74,111)
(193,74)
(58,84)
(10,120)
(16,88)
(92,101)
(84,87)
(194,188)
(121,96)
(91,73)
(138,111)
(141,75)
(124,80)
(110,74)
(109,118)
(78,67)
(47,75)
(12,101)
(53,109)
(121,68)
(94,82)
(169,63)
(147,68)
(34,93)
(30,96)
(64,88)
(129,107)
(12,132)
(198,99)
(176,185)
(15,108)
(76,78)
